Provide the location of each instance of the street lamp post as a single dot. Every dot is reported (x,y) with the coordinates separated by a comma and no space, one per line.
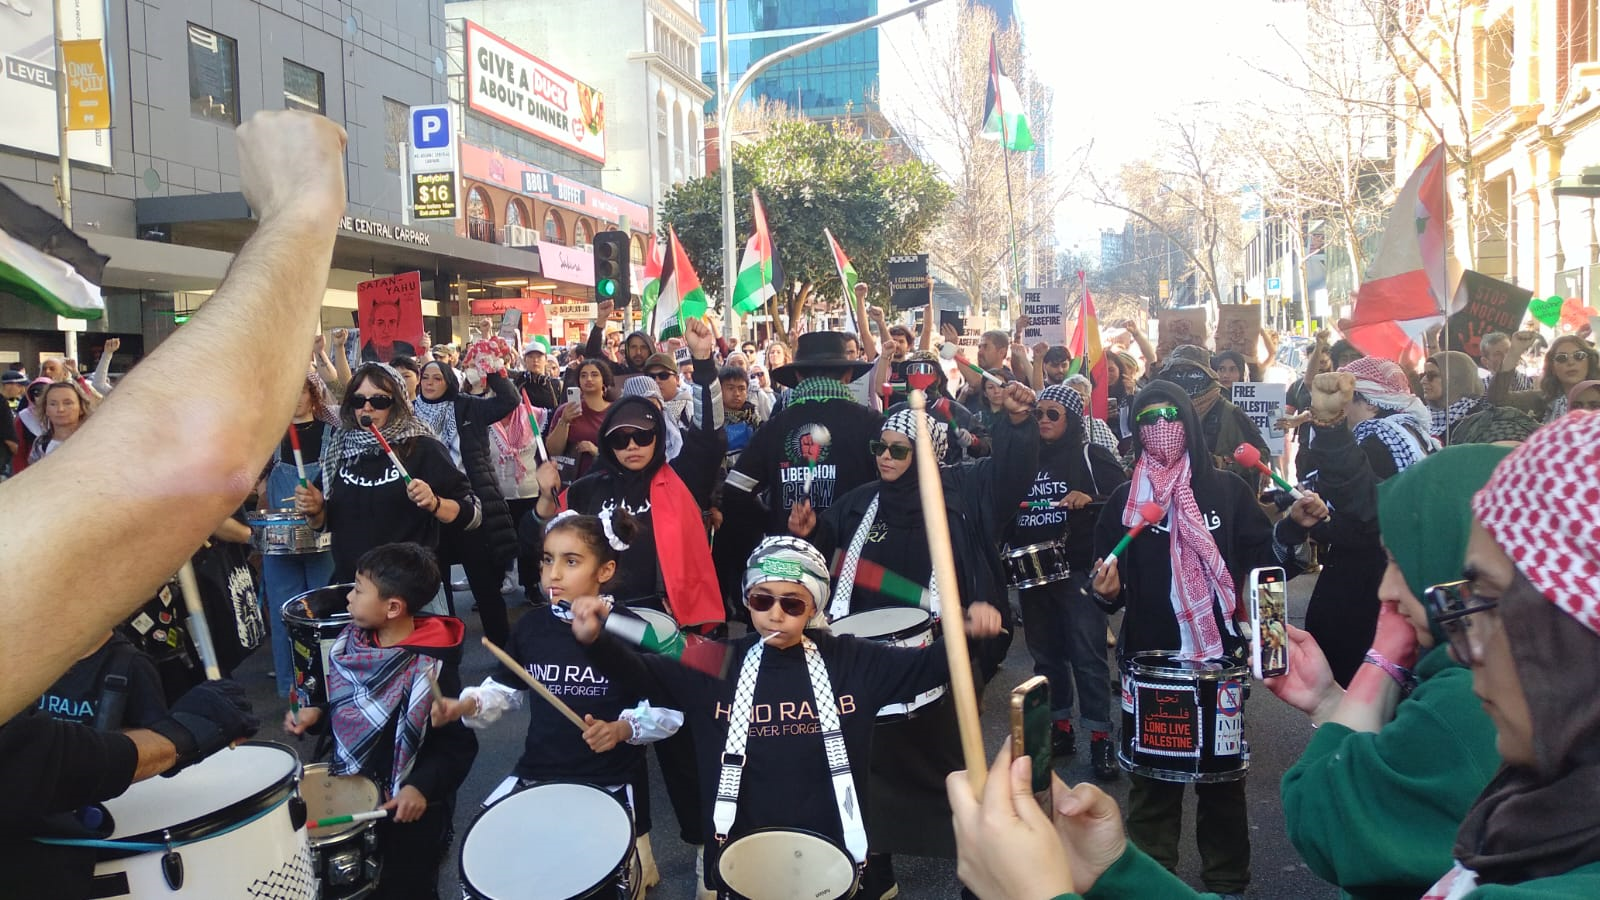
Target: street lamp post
(725,105)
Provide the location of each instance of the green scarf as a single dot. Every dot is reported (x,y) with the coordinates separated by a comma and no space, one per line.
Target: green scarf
(1425,515)
(817,390)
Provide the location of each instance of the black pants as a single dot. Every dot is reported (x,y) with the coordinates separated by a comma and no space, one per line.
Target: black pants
(484,575)
(1342,613)
(1222,828)
(412,853)
(678,770)
(1066,635)
(530,546)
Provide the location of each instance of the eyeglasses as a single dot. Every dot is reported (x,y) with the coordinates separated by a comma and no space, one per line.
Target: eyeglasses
(1574,356)
(1054,415)
(663,376)
(900,452)
(376,401)
(1452,604)
(1155,413)
(761,602)
(622,437)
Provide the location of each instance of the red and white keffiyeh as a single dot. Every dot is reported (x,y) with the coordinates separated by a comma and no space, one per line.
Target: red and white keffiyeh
(1539,507)
(1199,576)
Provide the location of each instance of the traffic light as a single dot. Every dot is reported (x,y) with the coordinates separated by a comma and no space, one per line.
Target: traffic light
(611,266)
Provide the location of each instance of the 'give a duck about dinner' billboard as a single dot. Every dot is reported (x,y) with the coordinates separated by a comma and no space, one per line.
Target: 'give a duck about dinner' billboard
(527,93)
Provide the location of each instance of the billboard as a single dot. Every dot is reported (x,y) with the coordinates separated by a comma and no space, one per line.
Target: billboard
(508,84)
(28,83)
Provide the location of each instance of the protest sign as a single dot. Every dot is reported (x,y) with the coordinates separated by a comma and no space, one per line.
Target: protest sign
(1489,305)
(1178,327)
(1239,328)
(908,281)
(389,313)
(1263,402)
(1046,309)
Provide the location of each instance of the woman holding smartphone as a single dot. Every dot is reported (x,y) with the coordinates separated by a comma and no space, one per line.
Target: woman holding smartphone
(577,429)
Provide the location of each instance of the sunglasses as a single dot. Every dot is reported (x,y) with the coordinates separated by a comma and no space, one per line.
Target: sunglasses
(1451,604)
(622,437)
(1574,356)
(663,376)
(761,602)
(900,452)
(1054,415)
(376,401)
(1158,413)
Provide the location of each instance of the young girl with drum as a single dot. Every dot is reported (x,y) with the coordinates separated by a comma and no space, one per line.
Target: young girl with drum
(1179,580)
(782,742)
(580,558)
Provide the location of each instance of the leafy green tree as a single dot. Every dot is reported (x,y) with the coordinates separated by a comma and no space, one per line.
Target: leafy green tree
(812,176)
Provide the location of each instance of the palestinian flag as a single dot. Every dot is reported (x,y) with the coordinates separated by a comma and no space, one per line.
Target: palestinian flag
(759,275)
(1088,353)
(681,296)
(847,278)
(693,651)
(652,278)
(1003,119)
(538,323)
(45,263)
(874,577)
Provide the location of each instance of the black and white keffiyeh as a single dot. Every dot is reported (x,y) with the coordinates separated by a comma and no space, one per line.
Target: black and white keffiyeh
(1444,418)
(1406,445)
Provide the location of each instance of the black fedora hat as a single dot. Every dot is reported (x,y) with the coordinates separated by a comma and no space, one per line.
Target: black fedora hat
(822,350)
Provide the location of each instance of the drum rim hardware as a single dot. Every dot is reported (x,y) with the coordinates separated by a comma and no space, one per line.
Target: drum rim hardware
(856,868)
(629,849)
(1217,672)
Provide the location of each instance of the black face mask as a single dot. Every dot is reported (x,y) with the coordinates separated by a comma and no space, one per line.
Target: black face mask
(1192,379)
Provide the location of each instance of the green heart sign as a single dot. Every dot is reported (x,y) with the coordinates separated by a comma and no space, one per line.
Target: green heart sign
(1546,311)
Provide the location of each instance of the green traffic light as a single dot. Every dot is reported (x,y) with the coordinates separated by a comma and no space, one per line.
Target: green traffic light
(606,287)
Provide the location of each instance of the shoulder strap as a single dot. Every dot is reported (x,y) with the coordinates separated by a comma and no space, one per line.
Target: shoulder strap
(115,681)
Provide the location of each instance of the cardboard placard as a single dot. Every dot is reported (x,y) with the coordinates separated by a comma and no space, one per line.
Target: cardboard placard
(1264,403)
(1239,328)
(389,313)
(1179,327)
(908,281)
(1046,309)
(1490,305)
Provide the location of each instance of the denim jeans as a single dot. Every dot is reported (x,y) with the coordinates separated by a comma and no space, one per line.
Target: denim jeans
(285,577)
(1066,635)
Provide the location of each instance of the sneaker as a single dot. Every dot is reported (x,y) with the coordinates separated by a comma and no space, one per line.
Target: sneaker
(649,874)
(1103,755)
(878,882)
(1063,742)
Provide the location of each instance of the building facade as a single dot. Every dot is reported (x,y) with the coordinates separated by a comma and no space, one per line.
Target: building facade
(836,80)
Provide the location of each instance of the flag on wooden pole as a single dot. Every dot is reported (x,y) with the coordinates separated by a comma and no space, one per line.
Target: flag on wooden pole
(681,295)
(847,278)
(1003,117)
(1089,356)
(45,263)
(758,273)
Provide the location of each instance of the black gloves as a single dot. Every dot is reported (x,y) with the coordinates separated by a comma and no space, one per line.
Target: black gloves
(209,717)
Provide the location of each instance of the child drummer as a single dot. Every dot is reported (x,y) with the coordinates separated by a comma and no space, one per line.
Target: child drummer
(763,740)
(380,706)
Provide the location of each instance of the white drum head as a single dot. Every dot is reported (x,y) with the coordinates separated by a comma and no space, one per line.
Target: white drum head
(212,784)
(548,842)
(661,624)
(877,623)
(786,865)
(328,795)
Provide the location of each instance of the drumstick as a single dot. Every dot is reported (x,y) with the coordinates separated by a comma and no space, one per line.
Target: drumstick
(949,352)
(299,461)
(1149,514)
(1249,456)
(962,693)
(532,682)
(366,422)
(433,686)
(198,629)
(353,817)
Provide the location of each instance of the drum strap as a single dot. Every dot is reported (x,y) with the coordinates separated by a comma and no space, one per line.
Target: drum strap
(844,786)
(846,585)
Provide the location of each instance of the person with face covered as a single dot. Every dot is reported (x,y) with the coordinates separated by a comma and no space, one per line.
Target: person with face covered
(1179,581)
(880,525)
(1066,634)
(1222,425)
(969,435)
(462,422)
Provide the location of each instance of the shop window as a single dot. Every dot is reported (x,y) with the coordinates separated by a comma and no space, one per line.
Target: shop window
(585,235)
(518,232)
(213,76)
(480,217)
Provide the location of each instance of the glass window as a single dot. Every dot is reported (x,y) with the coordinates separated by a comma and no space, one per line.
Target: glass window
(213,76)
(303,88)
(480,217)
(585,235)
(553,232)
(395,116)
(636,253)
(518,232)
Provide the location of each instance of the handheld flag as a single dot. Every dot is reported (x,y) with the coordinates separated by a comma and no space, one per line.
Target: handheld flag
(1003,118)
(1086,350)
(757,280)
(700,654)
(847,278)
(45,263)
(681,295)
(538,324)
(652,279)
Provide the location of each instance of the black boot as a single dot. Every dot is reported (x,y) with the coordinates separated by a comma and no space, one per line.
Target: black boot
(1103,755)
(1063,741)
(877,882)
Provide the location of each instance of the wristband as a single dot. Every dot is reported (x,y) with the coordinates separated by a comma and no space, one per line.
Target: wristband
(436,503)
(1403,676)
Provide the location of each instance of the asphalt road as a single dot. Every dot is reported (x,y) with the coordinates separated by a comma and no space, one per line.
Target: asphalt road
(1275,732)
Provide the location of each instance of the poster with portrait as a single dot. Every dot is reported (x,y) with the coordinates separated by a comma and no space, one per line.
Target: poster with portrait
(389,312)
(1179,327)
(1239,328)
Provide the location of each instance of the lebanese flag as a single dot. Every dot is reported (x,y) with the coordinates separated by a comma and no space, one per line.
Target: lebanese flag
(1406,289)
(758,278)
(1089,354)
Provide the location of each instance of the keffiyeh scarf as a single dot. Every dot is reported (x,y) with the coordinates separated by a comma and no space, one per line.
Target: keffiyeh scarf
(367,686)
(1450,415)
(1408,447)
(440,417)
(818,390)
(343,446)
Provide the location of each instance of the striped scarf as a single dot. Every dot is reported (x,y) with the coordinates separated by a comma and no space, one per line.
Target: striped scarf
(1450,415)
(818,390)
(367,686)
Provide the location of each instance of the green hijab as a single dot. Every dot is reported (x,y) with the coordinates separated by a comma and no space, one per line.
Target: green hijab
(1425,514)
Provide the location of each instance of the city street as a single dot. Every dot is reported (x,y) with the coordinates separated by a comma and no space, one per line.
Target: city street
(1276,734)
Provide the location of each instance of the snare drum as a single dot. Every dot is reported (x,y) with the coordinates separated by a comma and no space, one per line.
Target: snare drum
(663,628)
(552,841)
(284,532)
(1036,564)
(228,826)
(780,864)
(898,626)
(1182,720)
(344,857)
(313,621)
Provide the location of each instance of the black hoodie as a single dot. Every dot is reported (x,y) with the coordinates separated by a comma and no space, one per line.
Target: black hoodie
(1066,465)
(1242,531)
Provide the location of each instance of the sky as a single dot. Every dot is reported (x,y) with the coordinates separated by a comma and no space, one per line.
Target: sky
(1119,68)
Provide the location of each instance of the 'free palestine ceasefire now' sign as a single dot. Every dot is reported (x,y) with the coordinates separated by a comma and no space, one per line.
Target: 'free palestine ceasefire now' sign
(530,95)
